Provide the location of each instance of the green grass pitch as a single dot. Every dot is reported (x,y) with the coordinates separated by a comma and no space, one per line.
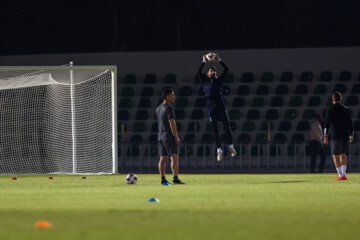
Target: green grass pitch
(231,206)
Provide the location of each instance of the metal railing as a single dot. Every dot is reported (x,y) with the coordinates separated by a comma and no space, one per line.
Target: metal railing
(250,157)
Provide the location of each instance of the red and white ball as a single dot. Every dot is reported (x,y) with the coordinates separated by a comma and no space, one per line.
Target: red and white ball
(210,57)
(131,178)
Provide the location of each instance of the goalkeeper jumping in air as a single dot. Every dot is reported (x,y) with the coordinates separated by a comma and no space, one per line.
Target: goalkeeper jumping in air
(212,87)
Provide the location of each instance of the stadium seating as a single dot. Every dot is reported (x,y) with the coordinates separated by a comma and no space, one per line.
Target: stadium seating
(150,78)
(243,90)
(147,92)
(125,103)
(325,76)
(144,103)
(253,114)
(262,90)
(287,77)
(282,89)
(301,89)
(247,77)
(238,102)
(277,102)
(288,101)
(267,77)
(345,76)
(306,77)
(169,79)
(130,79)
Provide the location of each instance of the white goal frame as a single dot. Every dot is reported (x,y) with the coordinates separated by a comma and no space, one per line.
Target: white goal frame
(71,68)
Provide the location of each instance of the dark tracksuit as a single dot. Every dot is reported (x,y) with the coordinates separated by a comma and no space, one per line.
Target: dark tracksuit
(212,88)
(340,126)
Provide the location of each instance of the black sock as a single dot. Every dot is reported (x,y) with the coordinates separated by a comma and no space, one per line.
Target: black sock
(163,179)
(176,178)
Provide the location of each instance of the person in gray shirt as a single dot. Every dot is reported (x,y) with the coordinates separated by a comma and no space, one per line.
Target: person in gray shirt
(168,137)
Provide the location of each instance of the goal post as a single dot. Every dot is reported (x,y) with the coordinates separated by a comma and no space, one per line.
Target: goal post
(58,120)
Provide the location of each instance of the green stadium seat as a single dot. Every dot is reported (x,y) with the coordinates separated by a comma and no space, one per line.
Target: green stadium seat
(295,101)
(234,114)
(243,138)
(127,92)
(178,126)
(181,102)
(203,151)
(193,126)
(267,77)
(292,150)
(261,138)
(238,102)
(320,89)
(248,126)
(169,78)
(287,77)
(239,152)
(258,102)
(151,151)
(345,76)
(130,79)
(247,77)
(229,78)
(280,138)
(290,114)
(256,150)
(150,78)
(264,126)
(123,115)
(200,102)
(120,124)
(340,87)
(207,138)
(298,138)
(139,127)
(186,151)
(144,103)
(308,114)
(262,90)
(125,103)
(306,77)
(141,115)
(325,76)
(285,126)
(133,151)
(136,138)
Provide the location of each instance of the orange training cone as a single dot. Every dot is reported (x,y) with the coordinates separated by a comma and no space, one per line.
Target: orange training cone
(42,224)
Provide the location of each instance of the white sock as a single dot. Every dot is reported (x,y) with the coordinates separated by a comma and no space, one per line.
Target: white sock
(231,146)
(339,170)
(219,150)
(343,169)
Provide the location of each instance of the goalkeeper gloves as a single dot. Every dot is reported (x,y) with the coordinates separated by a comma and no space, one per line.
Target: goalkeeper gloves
(217,58)
(204,59)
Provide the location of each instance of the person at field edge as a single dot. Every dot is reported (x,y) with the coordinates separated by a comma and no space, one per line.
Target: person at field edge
(316,144)
(168,138)
(212,88)
(340,130)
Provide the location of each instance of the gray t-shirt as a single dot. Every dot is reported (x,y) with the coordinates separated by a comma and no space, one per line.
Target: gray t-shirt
(164,113)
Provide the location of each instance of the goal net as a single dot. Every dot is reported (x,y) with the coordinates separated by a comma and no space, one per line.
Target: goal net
(58,120)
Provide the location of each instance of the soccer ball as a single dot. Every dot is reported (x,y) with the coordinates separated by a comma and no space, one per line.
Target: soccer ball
(210,57)
(131,178)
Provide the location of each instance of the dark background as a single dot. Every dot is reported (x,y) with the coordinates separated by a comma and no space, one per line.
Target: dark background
(38,27)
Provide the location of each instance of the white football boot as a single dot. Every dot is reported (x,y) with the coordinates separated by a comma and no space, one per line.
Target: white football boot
(219,154)
(232,150)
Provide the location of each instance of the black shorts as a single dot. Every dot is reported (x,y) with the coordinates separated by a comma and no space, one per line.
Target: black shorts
(339,146)
(217,112)
(168,147)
